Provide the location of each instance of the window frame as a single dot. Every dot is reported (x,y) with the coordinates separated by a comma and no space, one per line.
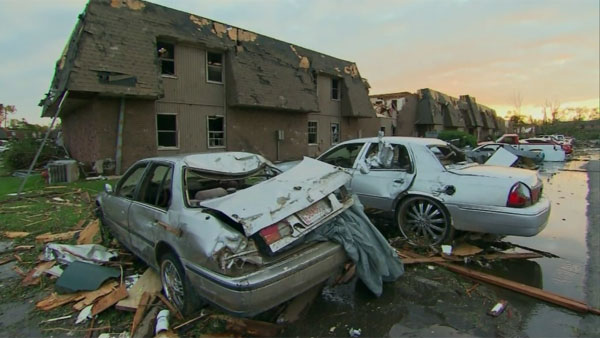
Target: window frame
(331,132)
(360,145)
(127,175)
(207,66)
(208,131)
(336,90)
(158,146)
(161,59)
(150,169)
(411,163)
(316,132)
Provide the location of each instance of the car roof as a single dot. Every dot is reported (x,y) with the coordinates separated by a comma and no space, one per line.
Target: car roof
(399,139)
(229,162)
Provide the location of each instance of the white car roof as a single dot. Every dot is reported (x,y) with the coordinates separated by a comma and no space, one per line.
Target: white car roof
(400,139)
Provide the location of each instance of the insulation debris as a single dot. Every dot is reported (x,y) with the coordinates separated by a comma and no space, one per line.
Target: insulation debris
(92,253)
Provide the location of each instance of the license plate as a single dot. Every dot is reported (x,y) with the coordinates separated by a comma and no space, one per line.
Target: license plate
(315,212)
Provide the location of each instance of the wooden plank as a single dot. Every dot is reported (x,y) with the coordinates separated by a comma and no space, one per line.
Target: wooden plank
(149,282)
(146,327)
(437,259)
(139,314)
(90,296)
(55,300)
(171,307)
(15,234)
(33,276)
(89,234)
(50,237)
(521,288)
(110,299)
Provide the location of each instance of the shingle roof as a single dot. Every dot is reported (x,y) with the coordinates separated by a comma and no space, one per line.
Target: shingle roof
(438,108)
(113,51)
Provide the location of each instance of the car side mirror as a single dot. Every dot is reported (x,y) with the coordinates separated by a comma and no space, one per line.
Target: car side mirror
(108,188)
(363,167)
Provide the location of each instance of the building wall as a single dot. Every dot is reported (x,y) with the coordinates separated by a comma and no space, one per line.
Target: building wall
(255,131)
(407,114)
(82,144)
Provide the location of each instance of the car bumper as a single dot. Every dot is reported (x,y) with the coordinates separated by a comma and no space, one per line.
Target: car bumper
(527,221)
(270,286)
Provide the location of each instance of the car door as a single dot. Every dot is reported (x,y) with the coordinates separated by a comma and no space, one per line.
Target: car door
(116,206)
(379,186)
(149,212)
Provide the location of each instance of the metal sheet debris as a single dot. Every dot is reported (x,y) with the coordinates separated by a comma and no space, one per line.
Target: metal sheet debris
(91,253)
(80,276)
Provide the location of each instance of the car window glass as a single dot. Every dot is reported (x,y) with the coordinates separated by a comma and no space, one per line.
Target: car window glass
(342,156)
(128,184)
(400,160)
(447,155)
(156,189)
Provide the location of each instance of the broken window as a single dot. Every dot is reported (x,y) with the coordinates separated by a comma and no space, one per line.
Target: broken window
(216,131)
(312,132)
(166,130)
(342,156)
(156,188)
(335,89)
(398,160)
(447,154)
(394,104)
(335,133)
(214,67)
(166,55)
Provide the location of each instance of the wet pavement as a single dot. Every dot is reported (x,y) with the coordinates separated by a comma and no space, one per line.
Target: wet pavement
(433,302)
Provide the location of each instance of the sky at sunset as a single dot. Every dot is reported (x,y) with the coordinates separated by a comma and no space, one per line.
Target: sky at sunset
(541,50)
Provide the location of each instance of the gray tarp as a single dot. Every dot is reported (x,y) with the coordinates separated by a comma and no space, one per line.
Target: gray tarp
(376,261)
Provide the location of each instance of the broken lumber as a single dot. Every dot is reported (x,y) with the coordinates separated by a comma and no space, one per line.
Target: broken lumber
(521,288)
(110,299)
(248,327)
(171,307)
(146,327)
(50,237)
(33,276)
(89,234)
(139,313)
(406,259)
(91,296)
(149,282)
(55,300)
(15,234)
(193,320)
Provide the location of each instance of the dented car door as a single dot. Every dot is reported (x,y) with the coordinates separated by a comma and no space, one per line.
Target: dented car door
(390,171)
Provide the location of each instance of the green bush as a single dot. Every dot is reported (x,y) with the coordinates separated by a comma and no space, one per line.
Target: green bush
(459,138)
(20,153)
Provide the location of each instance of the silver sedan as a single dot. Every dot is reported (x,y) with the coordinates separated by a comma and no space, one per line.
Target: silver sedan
(228,228)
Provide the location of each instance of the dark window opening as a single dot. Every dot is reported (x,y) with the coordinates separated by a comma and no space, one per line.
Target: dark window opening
(216,131)
(166,130)
(335,89)
(214,67)
(335,133)
(166,55)
(395,104)
(312,132)
(156,189)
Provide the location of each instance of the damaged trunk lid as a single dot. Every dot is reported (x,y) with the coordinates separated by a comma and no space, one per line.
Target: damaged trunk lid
(285,208)
(522,175)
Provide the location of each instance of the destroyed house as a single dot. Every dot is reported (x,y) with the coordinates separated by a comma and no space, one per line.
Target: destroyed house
(427,112)
(138,79)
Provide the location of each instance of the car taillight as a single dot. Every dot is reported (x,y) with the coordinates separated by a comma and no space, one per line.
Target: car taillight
(275,232)
(519,196)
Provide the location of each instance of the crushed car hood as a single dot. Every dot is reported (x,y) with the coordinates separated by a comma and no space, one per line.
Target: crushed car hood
(266,203)
(523,175)
(230,163)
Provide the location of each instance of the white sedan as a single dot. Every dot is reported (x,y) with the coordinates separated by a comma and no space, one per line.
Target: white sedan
(433,191)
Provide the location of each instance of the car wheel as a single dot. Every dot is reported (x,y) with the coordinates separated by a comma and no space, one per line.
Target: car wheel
(424,221)
(175,285)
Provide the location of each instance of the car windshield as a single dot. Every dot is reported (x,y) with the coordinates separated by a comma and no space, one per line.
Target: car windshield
(200,186)
(448,154)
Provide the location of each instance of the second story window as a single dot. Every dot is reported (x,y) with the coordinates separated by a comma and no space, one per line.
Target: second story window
(335,89)
(214,67)
(166,56)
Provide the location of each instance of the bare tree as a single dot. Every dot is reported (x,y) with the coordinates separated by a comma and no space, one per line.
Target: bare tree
(554,107)
(4,111)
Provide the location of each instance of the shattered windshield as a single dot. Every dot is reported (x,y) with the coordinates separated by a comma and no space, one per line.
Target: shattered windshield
(448,154)
(200,186)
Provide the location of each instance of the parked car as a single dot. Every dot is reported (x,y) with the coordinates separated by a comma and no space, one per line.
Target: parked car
(552,152)
(228,227)
(433,191)
(482,153)
(566,147)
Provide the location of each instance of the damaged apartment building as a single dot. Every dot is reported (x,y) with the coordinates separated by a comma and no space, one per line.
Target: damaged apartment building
(427,112)
(138,79)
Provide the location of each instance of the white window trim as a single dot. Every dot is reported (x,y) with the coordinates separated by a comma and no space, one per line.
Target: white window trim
(317,132)
(222,68)
(208,133)
(176,131)
(339,133)
(339,90)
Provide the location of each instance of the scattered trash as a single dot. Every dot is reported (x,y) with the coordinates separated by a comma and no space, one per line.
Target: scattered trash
(332,329)
(162,322)
(55,271)
(354,332)
(84,315)
(91,253)
(498,308)
(430,267)
(55,319)
(33,276)
(90,297)
(447,249)
(110,299)
(81,276)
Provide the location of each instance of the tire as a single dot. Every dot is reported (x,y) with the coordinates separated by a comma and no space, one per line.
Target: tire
(424,221)
(176,286)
